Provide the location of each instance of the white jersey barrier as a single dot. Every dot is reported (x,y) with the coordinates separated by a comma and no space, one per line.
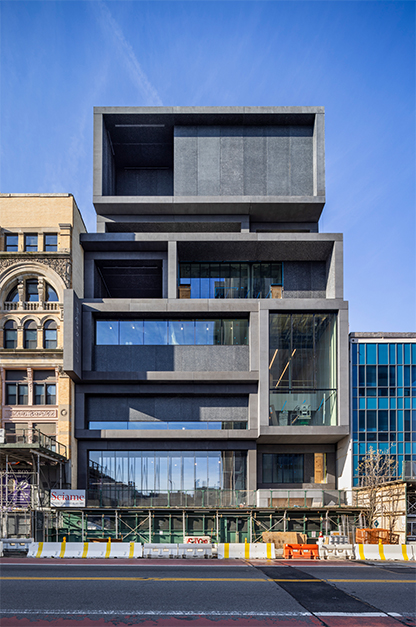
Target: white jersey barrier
(86,549)
(194,550)
(388,552)
(246,551)
(336,551)
(160,550)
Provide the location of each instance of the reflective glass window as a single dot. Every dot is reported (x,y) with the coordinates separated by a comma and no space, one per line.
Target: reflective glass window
(406,353)
(155,332)
(383,354)
(182,332)
(13,296)
(50,242)
(10,334)
(131,332)
(282,468)
(392,352)
(371,376)
(107,332)
(208,332)
(31,242)
(11,244)
(30,335)
(50,294)
(371,353)
(32,294)
(50,334)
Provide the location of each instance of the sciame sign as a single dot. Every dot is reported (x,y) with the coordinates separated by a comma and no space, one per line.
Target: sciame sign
(67,498)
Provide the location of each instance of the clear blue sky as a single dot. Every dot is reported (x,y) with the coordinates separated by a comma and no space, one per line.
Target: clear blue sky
(60,59)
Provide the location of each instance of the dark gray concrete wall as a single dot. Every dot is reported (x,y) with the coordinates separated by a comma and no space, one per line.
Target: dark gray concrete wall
(303,279)
(167,407)
(243,161)
(175,358)
(144,183)
(72,335)
(109,176)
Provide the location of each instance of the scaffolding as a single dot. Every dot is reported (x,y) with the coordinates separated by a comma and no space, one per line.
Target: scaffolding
(31,464)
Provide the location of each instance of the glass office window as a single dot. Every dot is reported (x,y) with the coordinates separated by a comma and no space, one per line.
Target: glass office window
(302,367)
(148,471)
(384,380)
(230,279)
(232,332)
(282,468)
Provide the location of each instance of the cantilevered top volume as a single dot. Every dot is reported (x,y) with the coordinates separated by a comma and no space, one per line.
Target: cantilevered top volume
(265,162)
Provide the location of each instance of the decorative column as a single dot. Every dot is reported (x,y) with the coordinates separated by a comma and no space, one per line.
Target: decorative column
(41,292)
(30,398)
(21,291)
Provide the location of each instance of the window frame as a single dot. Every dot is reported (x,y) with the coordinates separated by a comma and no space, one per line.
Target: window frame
(31,248)
(11,248)
(50,247)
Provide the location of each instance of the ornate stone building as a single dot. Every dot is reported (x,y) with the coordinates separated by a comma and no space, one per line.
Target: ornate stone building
(40,257)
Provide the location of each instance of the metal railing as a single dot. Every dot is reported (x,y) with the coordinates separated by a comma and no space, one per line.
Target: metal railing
(36,437)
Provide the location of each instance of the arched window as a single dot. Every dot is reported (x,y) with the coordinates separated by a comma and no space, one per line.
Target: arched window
(13,296)
(50,295)
(10,334)
(50,334)
(30,335)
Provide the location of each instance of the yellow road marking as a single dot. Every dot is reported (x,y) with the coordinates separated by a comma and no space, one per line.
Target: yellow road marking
(134,579)
(244,579)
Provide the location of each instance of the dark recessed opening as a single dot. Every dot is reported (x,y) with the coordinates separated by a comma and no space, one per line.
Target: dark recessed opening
(128,279)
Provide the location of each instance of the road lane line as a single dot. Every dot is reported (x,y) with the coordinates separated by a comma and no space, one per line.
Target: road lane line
(233,579)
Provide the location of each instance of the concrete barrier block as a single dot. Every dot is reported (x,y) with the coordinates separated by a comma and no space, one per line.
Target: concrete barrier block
(160,550)
(195,550)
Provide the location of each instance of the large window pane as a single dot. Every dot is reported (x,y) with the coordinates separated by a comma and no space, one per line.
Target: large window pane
(107,332)
(302,351)
(131,332)
(155,332)
(302,366)
(182,332)
(207,332)
(235,332)
(230,279)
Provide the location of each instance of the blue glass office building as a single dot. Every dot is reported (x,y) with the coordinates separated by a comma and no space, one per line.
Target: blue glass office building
(383,390)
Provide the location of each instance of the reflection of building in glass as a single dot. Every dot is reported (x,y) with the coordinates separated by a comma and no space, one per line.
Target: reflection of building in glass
(210,347)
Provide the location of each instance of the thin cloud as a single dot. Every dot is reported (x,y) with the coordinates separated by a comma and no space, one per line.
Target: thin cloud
(127,54)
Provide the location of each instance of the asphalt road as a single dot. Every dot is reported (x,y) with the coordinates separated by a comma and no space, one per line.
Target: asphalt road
(181,593)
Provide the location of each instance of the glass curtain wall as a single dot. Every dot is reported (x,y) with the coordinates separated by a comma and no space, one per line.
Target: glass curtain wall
(302,367)
(230,280)
(117,476)
(228,332)
(384,403)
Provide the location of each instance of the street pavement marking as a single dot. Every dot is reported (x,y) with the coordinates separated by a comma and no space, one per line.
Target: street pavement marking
(232,579)
(245,579)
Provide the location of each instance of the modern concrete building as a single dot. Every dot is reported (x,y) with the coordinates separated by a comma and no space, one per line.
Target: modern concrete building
(210,346)
(40,257)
